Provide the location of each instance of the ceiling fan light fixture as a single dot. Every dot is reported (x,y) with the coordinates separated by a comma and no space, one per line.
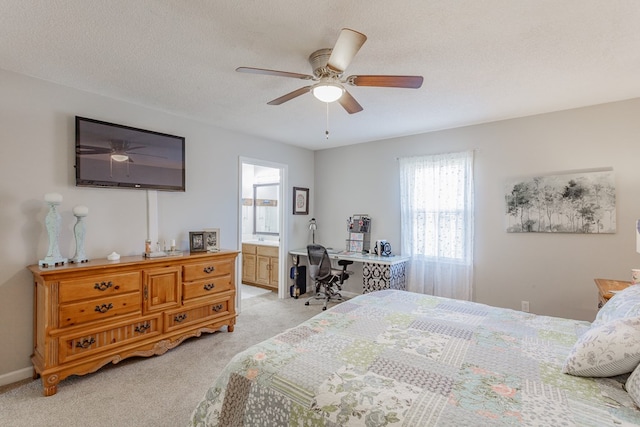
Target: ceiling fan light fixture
(327,92)
(120,157)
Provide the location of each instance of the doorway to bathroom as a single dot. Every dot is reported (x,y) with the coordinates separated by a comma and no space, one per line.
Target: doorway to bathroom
(262,227)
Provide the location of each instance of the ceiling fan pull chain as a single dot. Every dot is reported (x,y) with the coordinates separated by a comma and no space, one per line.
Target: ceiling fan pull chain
(327,130)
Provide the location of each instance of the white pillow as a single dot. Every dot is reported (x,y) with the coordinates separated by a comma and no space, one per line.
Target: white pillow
(633,385)
(625,303)
(606,350)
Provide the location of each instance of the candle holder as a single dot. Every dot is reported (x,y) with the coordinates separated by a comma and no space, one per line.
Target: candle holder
(79,231)
(52,223)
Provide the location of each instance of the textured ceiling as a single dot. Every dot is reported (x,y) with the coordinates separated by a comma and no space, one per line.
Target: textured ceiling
(481,60)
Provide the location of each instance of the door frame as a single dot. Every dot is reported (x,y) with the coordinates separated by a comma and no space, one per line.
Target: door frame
(283,207)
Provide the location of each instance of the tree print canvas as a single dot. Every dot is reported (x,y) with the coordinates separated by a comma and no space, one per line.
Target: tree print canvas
(582,202)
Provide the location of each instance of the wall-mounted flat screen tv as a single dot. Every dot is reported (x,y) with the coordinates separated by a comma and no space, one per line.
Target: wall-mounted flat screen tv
(112,155)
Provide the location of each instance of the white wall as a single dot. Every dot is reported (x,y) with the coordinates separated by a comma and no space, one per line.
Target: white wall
(553,272)
(37,136)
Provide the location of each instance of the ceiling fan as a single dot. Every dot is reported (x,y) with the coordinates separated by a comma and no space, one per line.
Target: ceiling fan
(119,151)
(328,66)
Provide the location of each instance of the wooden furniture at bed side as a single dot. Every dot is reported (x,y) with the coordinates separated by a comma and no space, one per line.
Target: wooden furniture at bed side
(88,315)
(605,286)
(260,265)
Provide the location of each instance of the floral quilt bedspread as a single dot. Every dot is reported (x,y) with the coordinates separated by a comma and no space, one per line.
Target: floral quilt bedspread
(395,358)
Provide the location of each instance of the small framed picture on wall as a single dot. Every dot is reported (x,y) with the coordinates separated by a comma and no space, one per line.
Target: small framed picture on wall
(300,201)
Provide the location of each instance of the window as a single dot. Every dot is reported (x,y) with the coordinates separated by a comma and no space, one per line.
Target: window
(437,219)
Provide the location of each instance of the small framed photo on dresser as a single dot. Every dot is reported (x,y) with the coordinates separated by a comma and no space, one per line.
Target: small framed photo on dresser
(212,239)
(197,241)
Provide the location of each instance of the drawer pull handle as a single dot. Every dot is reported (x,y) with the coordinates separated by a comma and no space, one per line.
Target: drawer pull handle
(180,317)
(217,307)
(142,328)
(209,269)
(209,286)
(103,308)
(85,343)
(102,286)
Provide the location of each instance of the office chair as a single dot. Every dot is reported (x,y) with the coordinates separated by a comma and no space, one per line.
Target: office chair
(328,280)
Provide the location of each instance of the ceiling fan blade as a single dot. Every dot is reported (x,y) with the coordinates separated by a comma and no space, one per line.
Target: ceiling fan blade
(146,155)
(349,103)
(410,82)
(266,72)
(135,147)
(348,44)
(88,149)
(288,97)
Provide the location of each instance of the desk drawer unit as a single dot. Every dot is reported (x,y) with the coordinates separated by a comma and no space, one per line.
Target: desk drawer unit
(378,272)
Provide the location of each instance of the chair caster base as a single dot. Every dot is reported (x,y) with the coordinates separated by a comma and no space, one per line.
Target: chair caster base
(324,308)
(306,303)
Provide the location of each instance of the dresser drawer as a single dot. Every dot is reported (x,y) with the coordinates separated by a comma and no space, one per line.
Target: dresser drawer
(202,288)
(188,316)
(206,270)
(80,344)
(99,309)
(99,286)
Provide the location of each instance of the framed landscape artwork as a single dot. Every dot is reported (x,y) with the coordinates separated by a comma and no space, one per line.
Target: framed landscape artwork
(579,202)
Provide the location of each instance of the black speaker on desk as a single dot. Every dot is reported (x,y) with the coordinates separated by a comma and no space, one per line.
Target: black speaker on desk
(300,281)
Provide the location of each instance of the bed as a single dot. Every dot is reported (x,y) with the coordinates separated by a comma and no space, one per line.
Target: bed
(396,358)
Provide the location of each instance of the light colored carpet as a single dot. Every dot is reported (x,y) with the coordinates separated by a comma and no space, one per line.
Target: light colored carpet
(247,291)
(155,391)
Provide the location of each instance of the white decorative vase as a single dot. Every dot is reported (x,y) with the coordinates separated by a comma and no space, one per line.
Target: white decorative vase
(52,223)
(79,231)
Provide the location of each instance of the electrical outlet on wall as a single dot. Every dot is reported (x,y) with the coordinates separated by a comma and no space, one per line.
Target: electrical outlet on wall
(525,306)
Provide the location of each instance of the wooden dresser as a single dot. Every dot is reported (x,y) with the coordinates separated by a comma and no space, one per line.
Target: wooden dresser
(88,315)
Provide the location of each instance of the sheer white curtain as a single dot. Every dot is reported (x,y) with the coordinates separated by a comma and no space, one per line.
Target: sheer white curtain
(436,198)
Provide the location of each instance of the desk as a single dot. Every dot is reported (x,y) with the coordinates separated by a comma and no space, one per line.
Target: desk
(378,272)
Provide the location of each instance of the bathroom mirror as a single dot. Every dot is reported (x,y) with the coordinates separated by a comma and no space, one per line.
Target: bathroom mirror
(265,209)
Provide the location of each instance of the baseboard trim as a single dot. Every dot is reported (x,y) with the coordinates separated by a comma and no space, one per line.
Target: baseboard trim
(15,376)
